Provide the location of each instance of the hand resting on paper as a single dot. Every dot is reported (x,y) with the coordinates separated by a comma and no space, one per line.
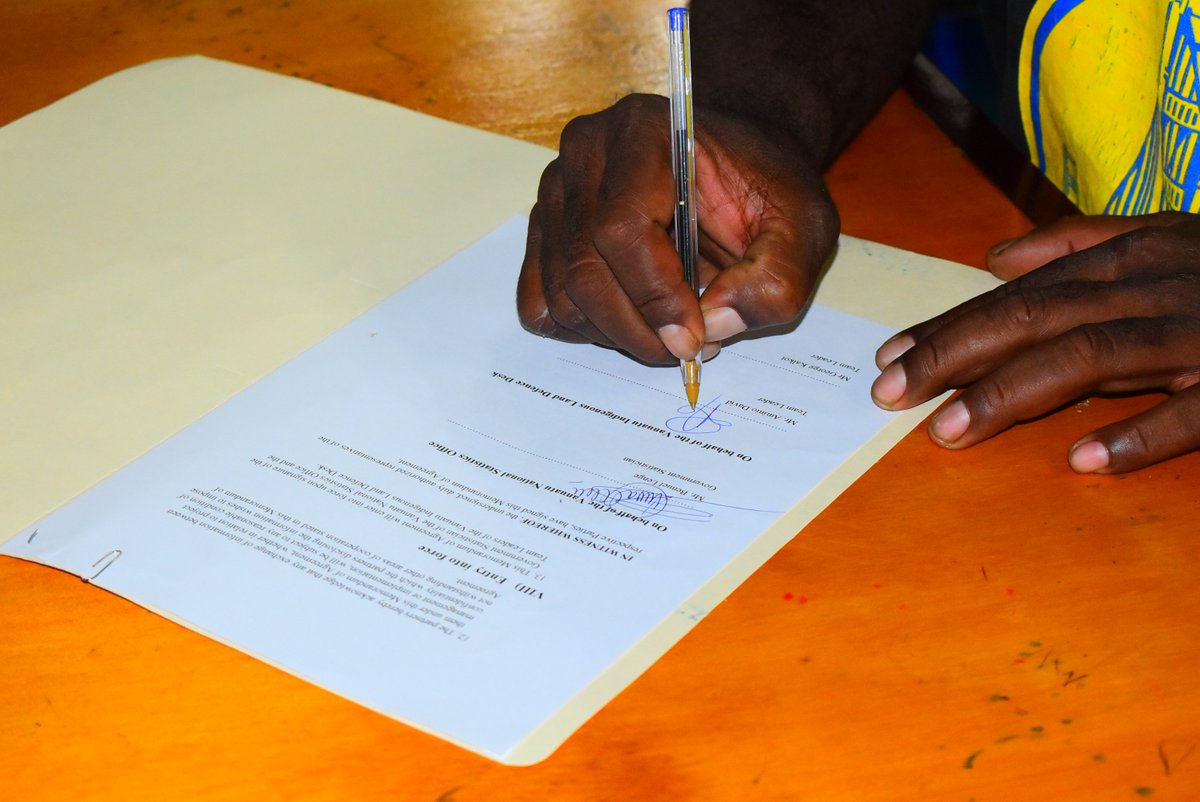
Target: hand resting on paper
(1094,305)
(600,264)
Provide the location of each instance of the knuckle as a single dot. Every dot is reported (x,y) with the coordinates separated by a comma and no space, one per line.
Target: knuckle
(995,399)
(562,293)
(577,135)
(636,120)
(931,360)
(1169,218)
(783,292)
(532,312)
(824,224)
(564,312)
(657,303)
(535,318)
(1092,345)
(1131,444)
(617,228)
(1023,306)
(780,298)
(1164,431)
(1152,244)
(587,131)
(587,279)
(638,104)
(1137,440)
(1149,240)
(549,189)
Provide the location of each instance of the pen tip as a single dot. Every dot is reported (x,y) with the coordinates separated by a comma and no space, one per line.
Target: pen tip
(691,380)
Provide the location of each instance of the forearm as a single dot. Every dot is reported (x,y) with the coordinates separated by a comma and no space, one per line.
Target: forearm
(812,70)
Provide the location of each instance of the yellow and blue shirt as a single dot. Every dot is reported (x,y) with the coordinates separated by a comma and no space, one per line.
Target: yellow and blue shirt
(1109,94)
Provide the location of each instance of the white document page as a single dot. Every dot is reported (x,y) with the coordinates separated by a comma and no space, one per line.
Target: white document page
(457,523)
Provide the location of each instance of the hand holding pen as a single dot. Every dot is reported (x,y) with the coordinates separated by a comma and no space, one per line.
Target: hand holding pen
(601,263)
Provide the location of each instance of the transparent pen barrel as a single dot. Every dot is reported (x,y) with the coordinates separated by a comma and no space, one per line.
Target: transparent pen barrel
(683,148)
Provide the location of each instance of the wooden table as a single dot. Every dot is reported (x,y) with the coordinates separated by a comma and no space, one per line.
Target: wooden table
(956,626)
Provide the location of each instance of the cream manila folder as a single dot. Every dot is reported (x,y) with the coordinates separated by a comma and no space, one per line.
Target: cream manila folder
(260,346)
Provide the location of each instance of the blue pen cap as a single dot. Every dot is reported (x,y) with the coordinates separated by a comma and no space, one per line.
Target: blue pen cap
(676,18)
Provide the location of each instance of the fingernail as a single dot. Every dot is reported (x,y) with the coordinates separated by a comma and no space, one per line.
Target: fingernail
(890,385)
(893,348)
(679,341)
(722,322)
(950,423)
(1001,247)
(1088,456)
(709,351)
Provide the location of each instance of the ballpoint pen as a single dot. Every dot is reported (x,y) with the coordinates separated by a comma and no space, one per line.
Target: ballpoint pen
(683,165)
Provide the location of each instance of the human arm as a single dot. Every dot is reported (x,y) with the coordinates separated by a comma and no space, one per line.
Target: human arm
(780,87)
(1115,308)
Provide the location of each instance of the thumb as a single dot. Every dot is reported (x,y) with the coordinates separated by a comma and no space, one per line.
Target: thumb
(1016,257)
(770,285)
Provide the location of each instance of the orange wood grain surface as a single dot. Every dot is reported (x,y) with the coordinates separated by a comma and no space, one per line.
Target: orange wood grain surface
(983,625)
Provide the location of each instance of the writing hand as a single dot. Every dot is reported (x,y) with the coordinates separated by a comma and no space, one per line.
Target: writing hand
(600,263)
(1115,308)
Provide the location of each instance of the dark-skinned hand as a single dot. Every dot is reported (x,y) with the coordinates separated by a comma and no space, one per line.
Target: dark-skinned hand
(1093,305)
(600,263)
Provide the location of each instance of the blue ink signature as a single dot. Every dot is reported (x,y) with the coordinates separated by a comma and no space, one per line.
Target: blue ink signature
(700,420)
(649,501)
